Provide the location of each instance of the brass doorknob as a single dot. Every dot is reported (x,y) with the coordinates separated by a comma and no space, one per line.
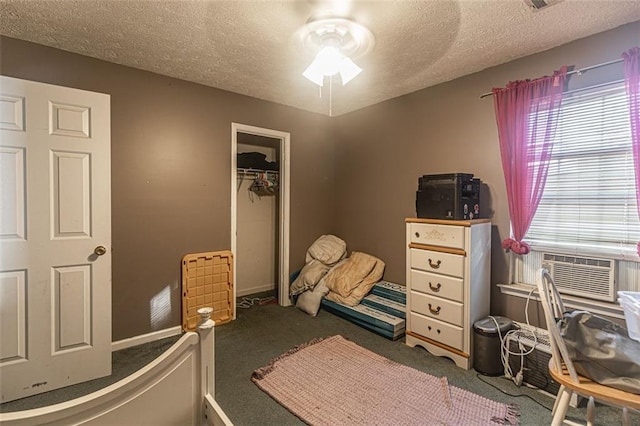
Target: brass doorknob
(100,250)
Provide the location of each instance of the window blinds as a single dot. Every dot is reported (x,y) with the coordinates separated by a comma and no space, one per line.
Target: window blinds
(588,206)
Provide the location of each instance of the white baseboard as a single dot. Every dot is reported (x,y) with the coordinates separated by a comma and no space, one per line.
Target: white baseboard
(145,338)
(254,290)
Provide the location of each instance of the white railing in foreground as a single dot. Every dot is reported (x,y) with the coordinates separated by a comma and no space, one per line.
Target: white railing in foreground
(177,388)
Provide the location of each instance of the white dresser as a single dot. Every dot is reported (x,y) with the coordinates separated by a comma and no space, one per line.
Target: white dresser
(448,288)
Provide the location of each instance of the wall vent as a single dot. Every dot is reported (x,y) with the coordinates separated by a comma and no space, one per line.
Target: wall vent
(581,276)
(536,5)
(535,370)
(536,364)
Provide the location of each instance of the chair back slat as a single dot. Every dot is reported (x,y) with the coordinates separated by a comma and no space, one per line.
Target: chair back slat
(553,311)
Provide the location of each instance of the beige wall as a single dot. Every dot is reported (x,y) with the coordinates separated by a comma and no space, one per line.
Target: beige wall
(171,172)
(383,150)
(257,245)
(354,175)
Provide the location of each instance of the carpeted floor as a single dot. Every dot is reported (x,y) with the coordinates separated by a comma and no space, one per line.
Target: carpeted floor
(334,381)
(262,332)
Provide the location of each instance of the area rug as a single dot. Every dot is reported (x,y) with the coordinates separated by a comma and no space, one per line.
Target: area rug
(334,381)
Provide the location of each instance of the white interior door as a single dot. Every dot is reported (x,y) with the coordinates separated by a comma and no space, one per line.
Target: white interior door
(55,237)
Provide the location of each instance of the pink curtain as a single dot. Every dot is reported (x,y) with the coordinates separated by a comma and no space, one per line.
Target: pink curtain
(632,83)
(527,114)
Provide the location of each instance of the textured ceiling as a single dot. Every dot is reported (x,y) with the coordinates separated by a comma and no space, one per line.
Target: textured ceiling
(248,47)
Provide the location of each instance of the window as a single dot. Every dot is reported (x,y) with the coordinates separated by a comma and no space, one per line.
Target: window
(588,207)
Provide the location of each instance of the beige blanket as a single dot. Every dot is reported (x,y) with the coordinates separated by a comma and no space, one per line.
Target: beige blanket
(351,281)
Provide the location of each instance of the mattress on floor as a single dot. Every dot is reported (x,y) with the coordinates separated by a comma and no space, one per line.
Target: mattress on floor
(389,306)
(391,291)
(368,317)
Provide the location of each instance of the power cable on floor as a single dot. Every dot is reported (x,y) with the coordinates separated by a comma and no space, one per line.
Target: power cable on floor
(512,395)
(248,302)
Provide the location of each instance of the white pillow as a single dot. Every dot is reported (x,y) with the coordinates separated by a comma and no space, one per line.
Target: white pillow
(309,276)
(310,300)
(328,249)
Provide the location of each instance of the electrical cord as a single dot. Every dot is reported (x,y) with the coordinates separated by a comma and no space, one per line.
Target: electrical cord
(512,395)
(248,302)
(505,351)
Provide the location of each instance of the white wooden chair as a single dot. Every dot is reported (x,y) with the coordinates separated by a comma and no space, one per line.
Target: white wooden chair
(561,367)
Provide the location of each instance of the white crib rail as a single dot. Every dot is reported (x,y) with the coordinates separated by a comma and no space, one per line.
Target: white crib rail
(177,388)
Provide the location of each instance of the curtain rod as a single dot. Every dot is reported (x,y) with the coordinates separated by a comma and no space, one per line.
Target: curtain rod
(579,72)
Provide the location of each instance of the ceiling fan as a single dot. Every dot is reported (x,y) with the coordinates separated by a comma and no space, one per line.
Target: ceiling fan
(336,41)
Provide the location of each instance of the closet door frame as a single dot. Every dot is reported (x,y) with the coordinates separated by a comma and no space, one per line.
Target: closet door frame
(283,254)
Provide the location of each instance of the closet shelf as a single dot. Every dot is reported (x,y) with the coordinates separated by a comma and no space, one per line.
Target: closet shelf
(256,172)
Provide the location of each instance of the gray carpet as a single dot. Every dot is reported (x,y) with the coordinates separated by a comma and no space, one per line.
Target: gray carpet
(263,332)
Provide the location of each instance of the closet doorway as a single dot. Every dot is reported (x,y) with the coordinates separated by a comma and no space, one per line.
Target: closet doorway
(260,211)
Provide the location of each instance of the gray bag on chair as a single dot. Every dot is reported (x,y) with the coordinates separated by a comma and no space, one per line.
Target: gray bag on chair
(602,350)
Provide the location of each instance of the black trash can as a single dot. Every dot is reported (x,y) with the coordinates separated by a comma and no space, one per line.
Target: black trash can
(486,345)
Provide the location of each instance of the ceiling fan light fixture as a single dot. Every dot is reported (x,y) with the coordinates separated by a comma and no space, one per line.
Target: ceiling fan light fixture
(328,60)
(314,73)
(349,70)
(337,41)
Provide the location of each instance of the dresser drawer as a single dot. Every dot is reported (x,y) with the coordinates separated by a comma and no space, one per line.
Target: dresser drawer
(437,262)
(436,330)
(436,307)
(438,285)
(437,235)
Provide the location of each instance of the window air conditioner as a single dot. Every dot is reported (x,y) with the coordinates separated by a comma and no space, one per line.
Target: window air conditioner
(583,277)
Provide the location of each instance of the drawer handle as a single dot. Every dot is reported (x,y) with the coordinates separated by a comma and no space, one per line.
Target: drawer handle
(434,311)
(437,330)
(417,235)
(436,288)
(434,265)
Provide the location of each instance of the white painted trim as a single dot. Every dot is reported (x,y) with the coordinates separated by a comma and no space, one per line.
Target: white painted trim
(283,295)
(234,209)
(213,412)
(285,167)
(256,289)
(598,307)
(145,338)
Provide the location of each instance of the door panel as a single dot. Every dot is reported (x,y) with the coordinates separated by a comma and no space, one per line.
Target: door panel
(11,112)
(72,307)
(70,194)
(69,120)
(12,193)
(55,292)
(13,319)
